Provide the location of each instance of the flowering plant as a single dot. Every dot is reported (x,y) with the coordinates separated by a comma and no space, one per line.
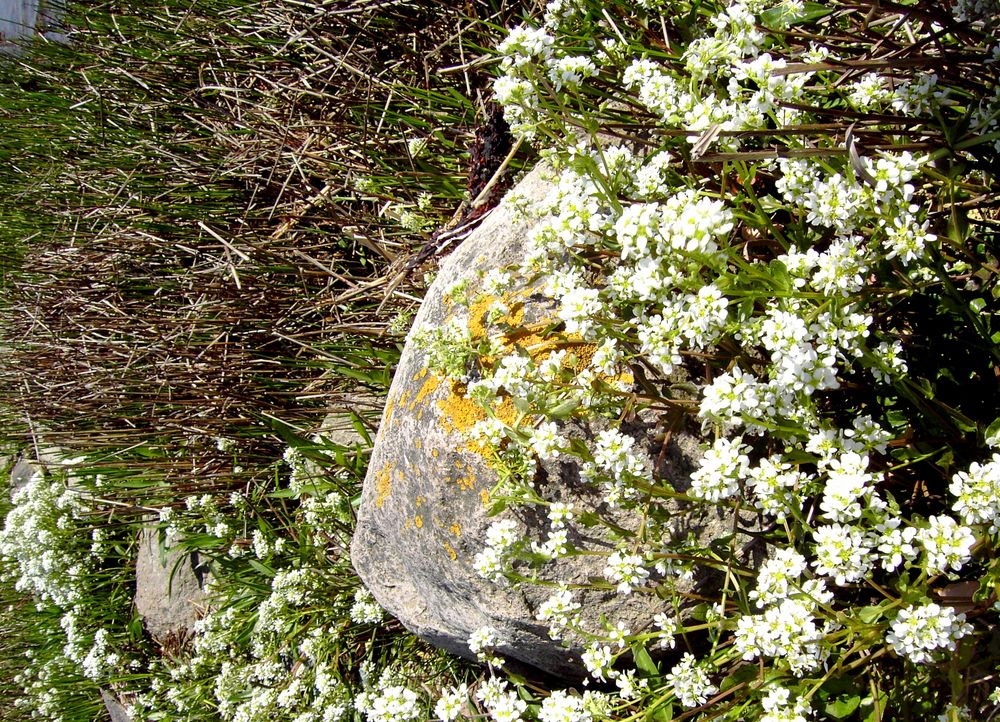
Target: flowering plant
(782,205)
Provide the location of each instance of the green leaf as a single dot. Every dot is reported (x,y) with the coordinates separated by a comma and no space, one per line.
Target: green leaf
(741,675)
(782,280)
(993,429)
(660,713)
(643,662)
(522,405)
(842,707)
(869,615)
(779,16)
(564,409)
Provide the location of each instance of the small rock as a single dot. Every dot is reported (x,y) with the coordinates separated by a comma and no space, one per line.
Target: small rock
(169,588)
(116,710)
(23,472)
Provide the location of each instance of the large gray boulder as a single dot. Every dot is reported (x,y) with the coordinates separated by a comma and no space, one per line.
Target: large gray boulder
(425,506)
(169,589)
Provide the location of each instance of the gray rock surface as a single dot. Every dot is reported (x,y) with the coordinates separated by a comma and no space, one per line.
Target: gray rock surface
(23,471)
(169,588)
(116,710)
(424,510)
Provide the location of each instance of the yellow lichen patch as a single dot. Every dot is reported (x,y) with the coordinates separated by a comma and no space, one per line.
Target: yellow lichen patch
(484,497)
(389,406)
(418,521)
(428,387)
(434,453)
(455,529)
(420,500)
(466,483)
(420,374)
(383,486)
(459,414)
(479,310)
(407,523)
(451,551)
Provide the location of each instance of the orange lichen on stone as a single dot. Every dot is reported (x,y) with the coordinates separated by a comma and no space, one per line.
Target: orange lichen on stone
(420,500)
(418,521)
(459,414)
(484,497)
(479,310)
(451,551)
(383,486)
(455,529)
(434,453)
(466,483)
(389,407)
(428,387)
(420,374)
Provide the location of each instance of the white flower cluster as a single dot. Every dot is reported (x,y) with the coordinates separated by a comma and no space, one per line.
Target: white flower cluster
(919,633)
(501,536)
(690,681)
(392,704)
(365,609)
(42,539)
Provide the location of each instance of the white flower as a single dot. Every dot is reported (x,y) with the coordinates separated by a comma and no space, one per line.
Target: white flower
(841,269)
(906,238)
(545,440)
(626,570)
(559,513)
(787,630)
(778,577)
(690,682)
(394,704)
(948,545)
(842,552)
(570,72)
(365,609)
(720,470)
(779,707)
(560,610)
(896,544)
(918,632)
(482,642)
(562,707)
(505,706)
(870,90)
(579,308)
(598,659)
(666,626)
(502,534)
(706,315)
(729,397)
(776,486)
(449,706)
(613,453)
(977,493)
(524,44)
(847,485)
